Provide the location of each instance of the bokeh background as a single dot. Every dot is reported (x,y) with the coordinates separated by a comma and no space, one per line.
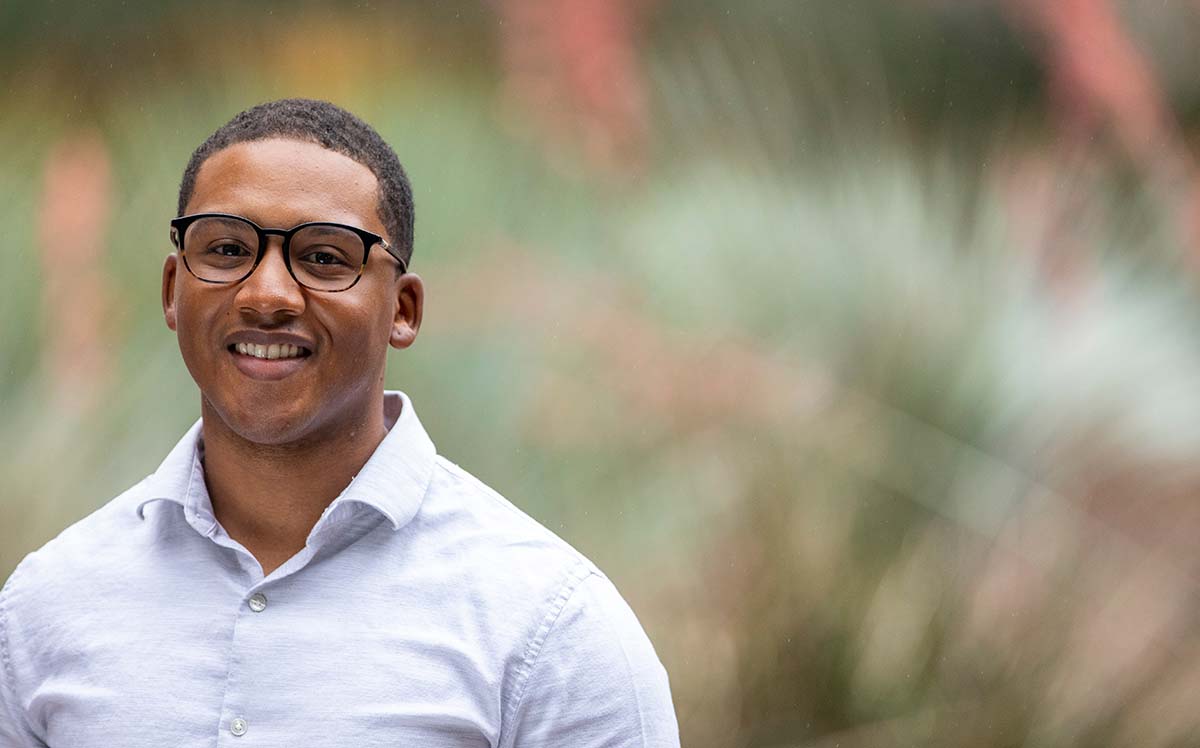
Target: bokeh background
(855,340)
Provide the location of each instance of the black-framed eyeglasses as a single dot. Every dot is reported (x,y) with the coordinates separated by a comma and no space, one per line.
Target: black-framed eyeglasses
(322,256)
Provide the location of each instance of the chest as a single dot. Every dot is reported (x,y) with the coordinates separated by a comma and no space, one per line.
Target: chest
(322,665)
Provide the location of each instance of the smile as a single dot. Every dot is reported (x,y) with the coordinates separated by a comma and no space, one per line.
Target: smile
(272,351)
(269,362)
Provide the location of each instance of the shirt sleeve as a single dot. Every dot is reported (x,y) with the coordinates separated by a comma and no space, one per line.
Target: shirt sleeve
(596,681)
(14,727)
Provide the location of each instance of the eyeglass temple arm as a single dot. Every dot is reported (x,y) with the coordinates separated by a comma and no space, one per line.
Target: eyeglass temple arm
(394,253)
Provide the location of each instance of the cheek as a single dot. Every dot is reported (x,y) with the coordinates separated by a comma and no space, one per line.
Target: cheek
(196,315)
(192,309)
(359,330)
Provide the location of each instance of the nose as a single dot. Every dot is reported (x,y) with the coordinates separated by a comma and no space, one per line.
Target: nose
(271,293)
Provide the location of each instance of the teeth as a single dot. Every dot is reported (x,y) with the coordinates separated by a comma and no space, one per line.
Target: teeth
(272,351)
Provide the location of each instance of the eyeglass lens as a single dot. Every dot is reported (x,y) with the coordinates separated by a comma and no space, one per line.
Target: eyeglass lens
(322,257)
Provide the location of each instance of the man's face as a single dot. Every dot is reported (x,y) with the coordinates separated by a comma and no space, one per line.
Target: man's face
(331,387)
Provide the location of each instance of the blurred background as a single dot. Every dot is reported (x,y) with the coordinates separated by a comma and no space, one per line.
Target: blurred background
(853,339)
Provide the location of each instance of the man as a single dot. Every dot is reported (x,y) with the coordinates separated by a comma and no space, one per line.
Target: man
(303,569)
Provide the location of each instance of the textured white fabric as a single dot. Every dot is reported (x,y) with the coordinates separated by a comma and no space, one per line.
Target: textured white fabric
(425,610)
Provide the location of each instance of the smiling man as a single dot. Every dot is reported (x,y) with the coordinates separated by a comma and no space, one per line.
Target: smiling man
(303,569)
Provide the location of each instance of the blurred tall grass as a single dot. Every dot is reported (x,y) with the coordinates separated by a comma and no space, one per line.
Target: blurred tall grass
(878,406)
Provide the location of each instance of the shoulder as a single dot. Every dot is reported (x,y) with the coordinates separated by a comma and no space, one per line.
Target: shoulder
(592,678)
(466,515)
(516,574)
(579,653)
(593,628)
(81,558)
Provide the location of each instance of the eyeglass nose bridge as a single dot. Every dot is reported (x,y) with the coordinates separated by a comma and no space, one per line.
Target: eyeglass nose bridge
(264,245)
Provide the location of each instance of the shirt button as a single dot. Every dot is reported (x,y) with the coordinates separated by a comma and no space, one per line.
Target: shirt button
(258,602)
(238,727)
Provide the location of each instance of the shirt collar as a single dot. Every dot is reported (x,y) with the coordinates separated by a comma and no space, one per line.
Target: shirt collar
(392,482)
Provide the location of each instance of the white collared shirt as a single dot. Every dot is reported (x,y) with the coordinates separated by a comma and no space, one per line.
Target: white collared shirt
(425,610)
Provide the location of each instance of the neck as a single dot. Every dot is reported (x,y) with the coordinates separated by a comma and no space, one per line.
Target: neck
(268,497)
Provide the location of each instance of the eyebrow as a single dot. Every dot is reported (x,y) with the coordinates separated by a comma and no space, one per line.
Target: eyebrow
(227,221)
(322,226)
(324,230)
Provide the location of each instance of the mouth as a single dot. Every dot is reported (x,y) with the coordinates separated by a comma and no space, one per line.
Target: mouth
(271,352)
(269,362)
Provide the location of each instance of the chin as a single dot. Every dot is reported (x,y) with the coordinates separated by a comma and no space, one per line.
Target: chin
(270,435)
(259,423)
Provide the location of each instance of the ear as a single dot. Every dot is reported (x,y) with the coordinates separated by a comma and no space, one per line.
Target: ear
(170,268)
(410,303)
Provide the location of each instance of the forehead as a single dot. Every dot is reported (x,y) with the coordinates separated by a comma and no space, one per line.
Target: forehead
(281,182)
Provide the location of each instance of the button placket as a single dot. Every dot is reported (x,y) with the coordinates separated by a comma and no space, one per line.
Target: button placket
(257,603)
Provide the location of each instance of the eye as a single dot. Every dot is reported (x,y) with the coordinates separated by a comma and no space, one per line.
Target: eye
(322,257)
(229,249)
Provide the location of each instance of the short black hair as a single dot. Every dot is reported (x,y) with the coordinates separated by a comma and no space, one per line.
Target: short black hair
(331,127)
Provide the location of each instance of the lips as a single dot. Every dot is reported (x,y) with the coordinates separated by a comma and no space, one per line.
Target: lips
(272,351)
(268,356)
